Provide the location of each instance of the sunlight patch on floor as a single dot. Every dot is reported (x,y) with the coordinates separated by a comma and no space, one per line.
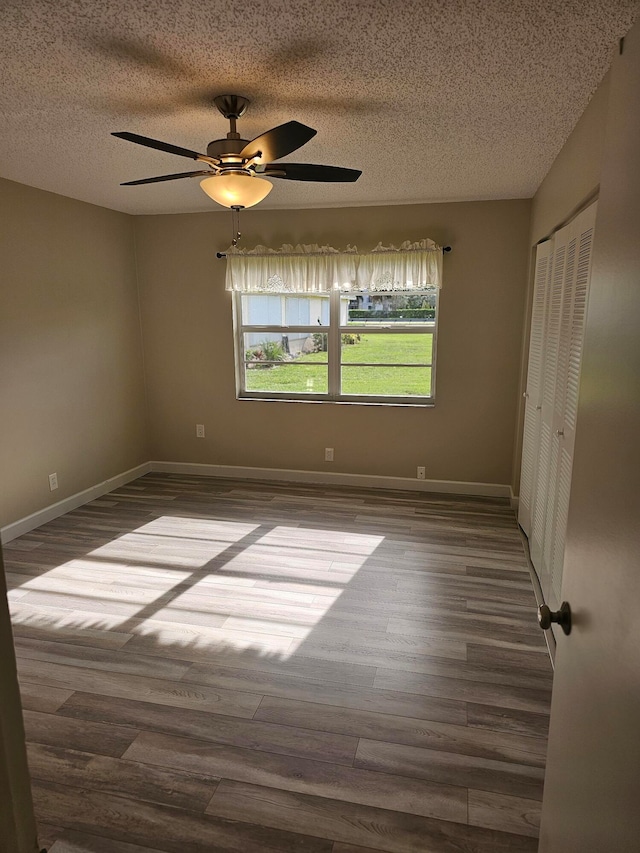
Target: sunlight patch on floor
(209,584)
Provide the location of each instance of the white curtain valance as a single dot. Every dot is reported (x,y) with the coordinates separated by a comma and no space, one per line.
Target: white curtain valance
(319,269)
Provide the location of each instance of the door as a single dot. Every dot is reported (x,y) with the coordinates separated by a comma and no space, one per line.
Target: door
(17,824)
(545,475)
(574,304)
(533,394)
(563,266)
(592,787)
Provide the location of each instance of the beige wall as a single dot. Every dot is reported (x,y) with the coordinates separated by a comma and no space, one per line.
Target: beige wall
(571,181)
(187,331)
(71,374)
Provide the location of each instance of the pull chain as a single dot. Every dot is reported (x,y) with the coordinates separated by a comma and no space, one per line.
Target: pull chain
(235,225)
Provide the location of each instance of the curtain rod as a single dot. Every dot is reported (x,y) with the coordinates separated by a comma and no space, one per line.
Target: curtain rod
(445,249)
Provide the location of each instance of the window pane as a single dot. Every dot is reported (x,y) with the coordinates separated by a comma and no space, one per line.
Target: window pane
(390,355)
(376,308)
(387,381)
(285,346)
(381,348)
(292,377)
(306,310)
(262,310)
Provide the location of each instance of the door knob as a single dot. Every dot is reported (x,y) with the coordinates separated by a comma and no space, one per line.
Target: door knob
(562,617)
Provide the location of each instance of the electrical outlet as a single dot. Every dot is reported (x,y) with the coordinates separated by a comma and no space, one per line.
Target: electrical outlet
(328,454)
(421,472)
(199,430)
(53,482)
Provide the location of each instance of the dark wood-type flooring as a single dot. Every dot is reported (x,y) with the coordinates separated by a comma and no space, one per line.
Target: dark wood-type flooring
(216,665)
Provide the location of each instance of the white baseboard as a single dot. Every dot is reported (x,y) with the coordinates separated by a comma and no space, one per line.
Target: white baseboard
(367,481)
(515,501)
(241,472)
(30,522)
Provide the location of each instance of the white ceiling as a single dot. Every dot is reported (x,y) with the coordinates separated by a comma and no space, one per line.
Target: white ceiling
(439,100)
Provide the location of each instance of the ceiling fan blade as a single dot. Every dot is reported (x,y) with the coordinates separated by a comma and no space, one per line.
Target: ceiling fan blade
(163,146)
(278,142)
(167,178)
(309,172)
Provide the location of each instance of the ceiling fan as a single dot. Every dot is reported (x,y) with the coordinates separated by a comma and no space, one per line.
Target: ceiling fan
(236,168)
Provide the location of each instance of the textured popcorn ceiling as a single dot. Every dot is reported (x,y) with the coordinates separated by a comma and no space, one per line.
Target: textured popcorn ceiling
(434,101)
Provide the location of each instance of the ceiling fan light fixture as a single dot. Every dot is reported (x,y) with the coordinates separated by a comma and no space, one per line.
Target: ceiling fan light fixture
(236,189)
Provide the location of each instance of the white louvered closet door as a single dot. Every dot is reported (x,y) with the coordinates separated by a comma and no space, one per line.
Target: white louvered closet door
(553,379)
(571,341)
(545,485)
(533,394)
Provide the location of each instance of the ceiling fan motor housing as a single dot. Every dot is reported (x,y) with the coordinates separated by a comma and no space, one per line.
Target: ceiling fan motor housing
(220,147)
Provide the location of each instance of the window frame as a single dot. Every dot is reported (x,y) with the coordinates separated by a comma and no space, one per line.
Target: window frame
(334,331)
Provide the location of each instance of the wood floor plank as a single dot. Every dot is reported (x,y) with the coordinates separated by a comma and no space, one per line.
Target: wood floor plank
(164,827)
(491,672)
(494,630)
(508,720)
(398,567)
(385,701)
(188,627)
(82,842)
(376,829)
(421,596)
(121,660)
(499,573)
(358,654)
(451,768)
(445,737)
(44,623)
(312,668)
(521,611)
(534,699)
(520,660)
(15,594)
(368,647)
(42,697)
(319,778)
(47,834)
(185,695)
(60,731)
(504,812)
(117,776)
(255,734)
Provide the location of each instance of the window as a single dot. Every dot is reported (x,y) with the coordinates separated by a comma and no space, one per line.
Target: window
(356,346)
